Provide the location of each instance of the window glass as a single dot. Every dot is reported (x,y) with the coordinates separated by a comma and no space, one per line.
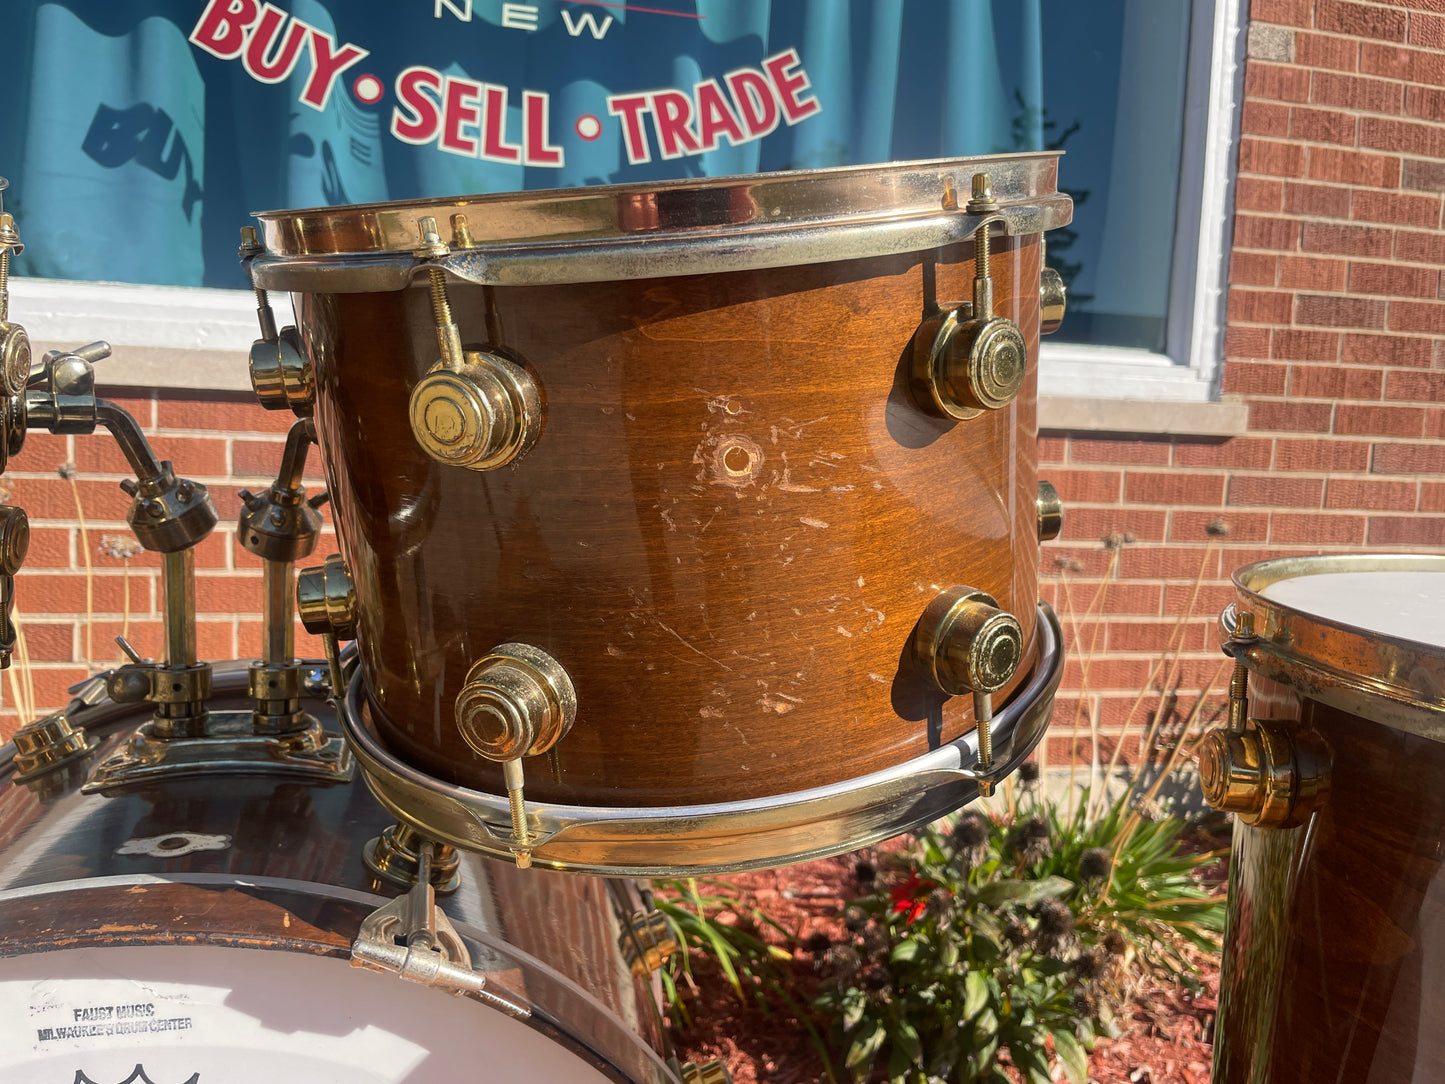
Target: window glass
(146,130)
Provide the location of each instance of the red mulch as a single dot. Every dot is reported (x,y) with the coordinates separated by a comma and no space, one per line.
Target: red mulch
(1168,1038)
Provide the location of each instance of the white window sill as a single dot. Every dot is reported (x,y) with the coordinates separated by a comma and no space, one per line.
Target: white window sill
(199,339)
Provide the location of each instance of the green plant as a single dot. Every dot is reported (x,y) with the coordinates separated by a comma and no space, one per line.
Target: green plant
(716,925)
(1013,937)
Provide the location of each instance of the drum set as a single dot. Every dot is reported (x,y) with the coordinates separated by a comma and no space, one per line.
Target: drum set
(684,529)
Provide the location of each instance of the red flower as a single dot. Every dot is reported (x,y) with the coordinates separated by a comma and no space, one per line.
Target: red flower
(911,897)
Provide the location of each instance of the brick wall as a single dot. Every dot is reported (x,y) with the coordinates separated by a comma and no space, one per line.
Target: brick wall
(1334,340)
(226,442)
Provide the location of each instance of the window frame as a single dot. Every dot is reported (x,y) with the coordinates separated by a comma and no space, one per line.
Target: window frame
(209,330)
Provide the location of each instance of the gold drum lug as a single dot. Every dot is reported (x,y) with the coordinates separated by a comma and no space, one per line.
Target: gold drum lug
(46,744)
(281,376)
(967,643)
(1050,510)
(647,941)
(517,701)
(1272,775)
(14,357)
(393,856)
(326,599)
(481,416)
(709,1072)
(964,367)
(1053,300)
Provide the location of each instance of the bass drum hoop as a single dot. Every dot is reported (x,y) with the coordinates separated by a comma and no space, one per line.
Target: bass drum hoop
(724,837)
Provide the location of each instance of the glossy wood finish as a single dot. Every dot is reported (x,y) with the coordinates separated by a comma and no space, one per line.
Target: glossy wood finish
(290,878)
(1334,964)
(726,532)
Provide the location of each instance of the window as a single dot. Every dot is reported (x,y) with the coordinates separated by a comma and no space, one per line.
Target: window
(195,112)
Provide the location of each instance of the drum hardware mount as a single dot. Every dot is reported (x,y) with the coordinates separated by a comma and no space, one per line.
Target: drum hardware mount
(326,604)
(1053,295)
(517,702)
(647,941)
(473,408)
(1269,773)
(280,526)
(709,1072)
(48,744)
(1050,511)
(969,361)
(281,376)
(393,857)
(969,645)
(412,938)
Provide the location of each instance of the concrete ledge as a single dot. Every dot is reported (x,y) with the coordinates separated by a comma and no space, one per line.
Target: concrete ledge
(1227,419)
(166,367)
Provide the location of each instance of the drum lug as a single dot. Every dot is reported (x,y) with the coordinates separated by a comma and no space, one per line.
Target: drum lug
(1052,301)
(472,409)
(281,376)
(646,941)
(1269,773)
(968,645)
(517,702)
(1050,511)
(709,1072)
(326,604)
(412,938)
(47,744)
(392,856)
(970,360)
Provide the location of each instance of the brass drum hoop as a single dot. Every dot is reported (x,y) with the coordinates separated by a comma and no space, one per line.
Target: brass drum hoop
(1391,680)
(725,837)
(613,232)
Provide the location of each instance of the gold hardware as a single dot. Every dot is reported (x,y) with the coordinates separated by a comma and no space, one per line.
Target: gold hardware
(647,941)
(393,856)
(412,938)
(280,526)
(46,744)
(1269,773)
(969,360)
(14,544)
(326,604)
(1053,300)
(1050,511)
(281,376)
(472,409)
(517,702)
(969,645)
(709,1072)
(326,599)
(481,415)
(14,342)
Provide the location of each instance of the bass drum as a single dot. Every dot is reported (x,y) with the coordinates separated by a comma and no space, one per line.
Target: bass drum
(1334,952)
(198,931)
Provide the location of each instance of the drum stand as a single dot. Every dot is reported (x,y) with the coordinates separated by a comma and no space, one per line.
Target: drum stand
(171,515)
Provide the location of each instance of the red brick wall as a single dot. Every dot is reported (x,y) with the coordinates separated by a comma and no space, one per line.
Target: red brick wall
(226,442)
(1334,340)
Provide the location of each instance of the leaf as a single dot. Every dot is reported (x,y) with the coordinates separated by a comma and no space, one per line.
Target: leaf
(906,951)
(905,1038)
(975,988)
(948,954)
(853,1012)
(865,1045)
(1023,891)
(1071,1054)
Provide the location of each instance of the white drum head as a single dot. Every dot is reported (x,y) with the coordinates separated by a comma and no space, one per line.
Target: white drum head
(1403,604)
(205,1015)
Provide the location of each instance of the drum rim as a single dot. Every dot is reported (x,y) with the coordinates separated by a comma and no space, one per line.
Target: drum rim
(1403,688)
(653,841)
(583,234)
